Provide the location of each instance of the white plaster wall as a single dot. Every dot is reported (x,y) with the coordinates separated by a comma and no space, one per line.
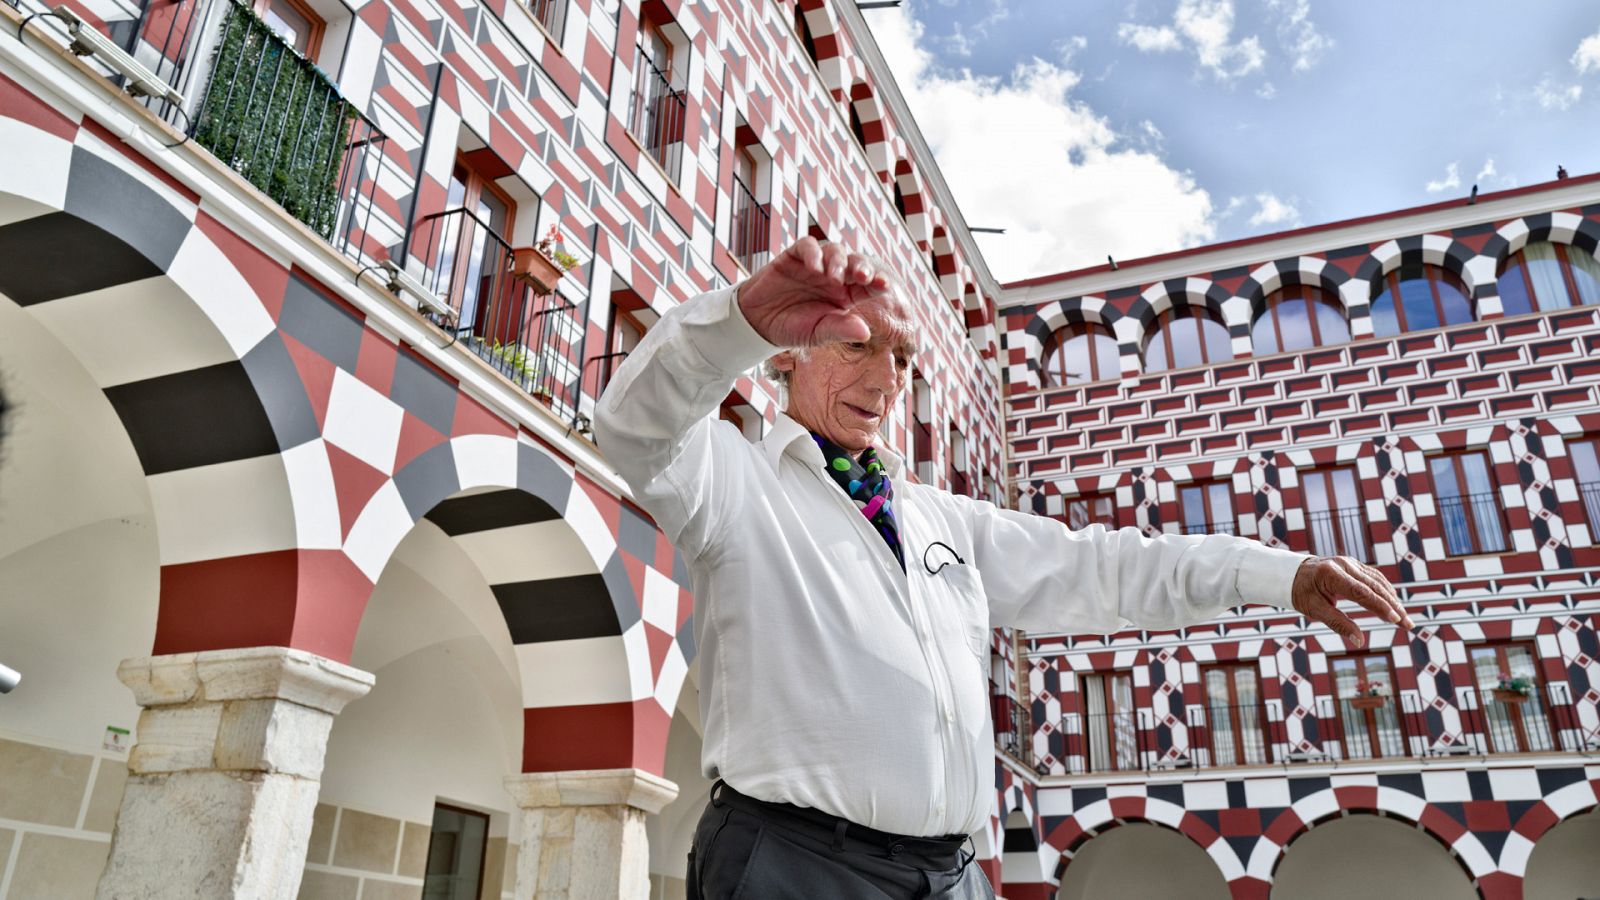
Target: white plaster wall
(79,570)
(1368,856)
(1118,864)
(1565,863)
(671,831)
(444,719)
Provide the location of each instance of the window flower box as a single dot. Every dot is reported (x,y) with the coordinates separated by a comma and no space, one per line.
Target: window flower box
(543,264)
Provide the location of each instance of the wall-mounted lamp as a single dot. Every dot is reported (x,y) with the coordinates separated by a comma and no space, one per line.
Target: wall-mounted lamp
(9,679)
(402,285)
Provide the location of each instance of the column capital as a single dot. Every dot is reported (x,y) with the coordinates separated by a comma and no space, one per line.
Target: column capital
(246,673)
(592,787)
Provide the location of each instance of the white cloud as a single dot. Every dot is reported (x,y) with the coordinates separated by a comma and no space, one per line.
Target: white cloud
(1587,57)
(1267,91)
(1485,173)
(1149,38)
(1207,27)
(1270,210)
(1300,36)
(1553,96)
(1450,181)
(1021,152)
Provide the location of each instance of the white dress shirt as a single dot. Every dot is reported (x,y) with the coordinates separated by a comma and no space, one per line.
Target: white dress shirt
(829,678)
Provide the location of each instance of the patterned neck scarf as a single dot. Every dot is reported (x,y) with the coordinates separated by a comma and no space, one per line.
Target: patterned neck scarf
(868,485)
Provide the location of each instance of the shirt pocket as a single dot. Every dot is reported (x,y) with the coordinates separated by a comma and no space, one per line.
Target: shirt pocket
(971,605)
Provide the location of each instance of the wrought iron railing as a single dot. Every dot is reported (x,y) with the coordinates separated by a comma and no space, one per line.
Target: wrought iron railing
(658,115)
(751,226)
(494,314)
(1339,532)
(1011,731)
(1346,728)
(1591,502)
(1471,523)
(1208,528)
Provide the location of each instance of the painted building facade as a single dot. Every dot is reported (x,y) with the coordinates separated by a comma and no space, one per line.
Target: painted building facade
(318,585)
(1415,390)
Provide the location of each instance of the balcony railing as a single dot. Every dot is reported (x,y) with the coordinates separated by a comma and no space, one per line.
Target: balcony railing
(1339,533)
(1344,729)
(1011,732)
(1472,523)
(751,227)
(1208,528)
(550,13)
(495,315)
(658,115)
(1591,501)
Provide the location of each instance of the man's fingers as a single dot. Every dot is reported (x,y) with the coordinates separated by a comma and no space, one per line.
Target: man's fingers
(809,252)
(1374,579)
(1340,624)
(834,260)
(840,325)
(1348,586)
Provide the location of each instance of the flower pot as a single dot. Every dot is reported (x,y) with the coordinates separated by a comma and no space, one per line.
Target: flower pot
(1368,702)
(1506,696)
(538,270)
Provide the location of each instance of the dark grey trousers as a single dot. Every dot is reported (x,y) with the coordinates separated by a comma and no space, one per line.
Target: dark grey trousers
(743,851)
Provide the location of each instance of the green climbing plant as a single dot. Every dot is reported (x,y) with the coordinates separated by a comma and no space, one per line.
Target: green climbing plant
(276,119)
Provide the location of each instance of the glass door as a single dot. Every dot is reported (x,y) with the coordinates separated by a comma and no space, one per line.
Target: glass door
(1364,695)
(1233,710)
(1513,722)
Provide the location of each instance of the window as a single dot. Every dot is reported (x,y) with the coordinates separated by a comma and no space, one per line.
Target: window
(1108,715)
(1586,466)
(751,223)
(455,854)
(295,22)
(802,30)
(1429,298)
(1547,276)
(959,483)
(1206,508)
(630,318)
(922,448)
(1233,711)
(1186,336)
(550,14)
(1335,518)
(470,256)
(1512,723)
(1082,353)
(1091,509)
(857,127)
(1469,511)
(658,110)
(1363,689)
(1298,318)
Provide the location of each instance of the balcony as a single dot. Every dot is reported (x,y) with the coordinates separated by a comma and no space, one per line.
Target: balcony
(1339,532)
(1347,729)
(1472,524)
(1208,528)
(751,227)
(658,116)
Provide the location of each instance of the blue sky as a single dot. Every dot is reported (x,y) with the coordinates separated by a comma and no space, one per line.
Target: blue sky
(1144,126)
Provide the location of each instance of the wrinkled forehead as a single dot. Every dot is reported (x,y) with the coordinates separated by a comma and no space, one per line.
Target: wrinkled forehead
(890,323)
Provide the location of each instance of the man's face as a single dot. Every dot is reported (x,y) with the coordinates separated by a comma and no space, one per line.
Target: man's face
(844,391)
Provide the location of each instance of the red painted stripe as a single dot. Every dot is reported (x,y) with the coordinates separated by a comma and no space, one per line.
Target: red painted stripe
(17,103)
(596,736)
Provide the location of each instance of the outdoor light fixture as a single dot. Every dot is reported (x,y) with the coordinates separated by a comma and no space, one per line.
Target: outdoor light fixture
(400,283)
(88,41)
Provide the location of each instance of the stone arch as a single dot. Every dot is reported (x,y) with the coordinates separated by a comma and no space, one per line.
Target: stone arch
(1309,811)
(208,391)
(919,212)
(1199,293)
(478,483)
(832,61)
(1556,227)
(1572,799)
(1268,279)
(1436,250)
(1099,818)
(1089,310)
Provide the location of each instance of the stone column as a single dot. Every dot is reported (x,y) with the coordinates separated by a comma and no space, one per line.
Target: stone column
(224,773)
(583,833)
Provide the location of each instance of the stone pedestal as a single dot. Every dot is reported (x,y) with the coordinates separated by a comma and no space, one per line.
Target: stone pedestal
(224,774)
(583,834)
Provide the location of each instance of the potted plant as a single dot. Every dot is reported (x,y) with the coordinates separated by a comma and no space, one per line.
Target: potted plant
(1370,694)
(1513,689)
(543,264)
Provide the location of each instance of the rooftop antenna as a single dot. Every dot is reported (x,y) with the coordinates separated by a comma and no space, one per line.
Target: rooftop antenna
(1112,262)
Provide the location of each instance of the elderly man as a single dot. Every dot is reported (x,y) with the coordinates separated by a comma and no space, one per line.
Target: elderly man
(843,613)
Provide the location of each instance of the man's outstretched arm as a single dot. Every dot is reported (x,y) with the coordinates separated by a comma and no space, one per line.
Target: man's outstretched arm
(1042,576)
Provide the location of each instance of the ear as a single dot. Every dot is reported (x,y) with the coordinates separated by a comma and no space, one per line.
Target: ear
(784,362)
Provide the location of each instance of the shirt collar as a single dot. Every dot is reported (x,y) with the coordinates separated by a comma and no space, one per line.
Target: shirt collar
(786,433)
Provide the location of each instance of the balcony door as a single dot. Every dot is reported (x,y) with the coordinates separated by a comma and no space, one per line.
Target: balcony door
(1108,715)
(1233,712)
(474,256)
(1510,725)
(1469,508)
(1371,727)
(1335,519)
(1207,508)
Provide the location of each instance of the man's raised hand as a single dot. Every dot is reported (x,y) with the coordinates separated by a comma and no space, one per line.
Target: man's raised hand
(810,294)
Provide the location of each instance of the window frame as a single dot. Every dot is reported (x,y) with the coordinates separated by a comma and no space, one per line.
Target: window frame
(1236,710)
(1311,296)
(1369,717)
(1514,711)
(1588,491)
(1568,278)
(1467,507)
(1088,331)
(1162,329)
(1336,512)
(317,25)
(1088,501)
(1109,681)
(483,855)
(1433,275)
(1231,523)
